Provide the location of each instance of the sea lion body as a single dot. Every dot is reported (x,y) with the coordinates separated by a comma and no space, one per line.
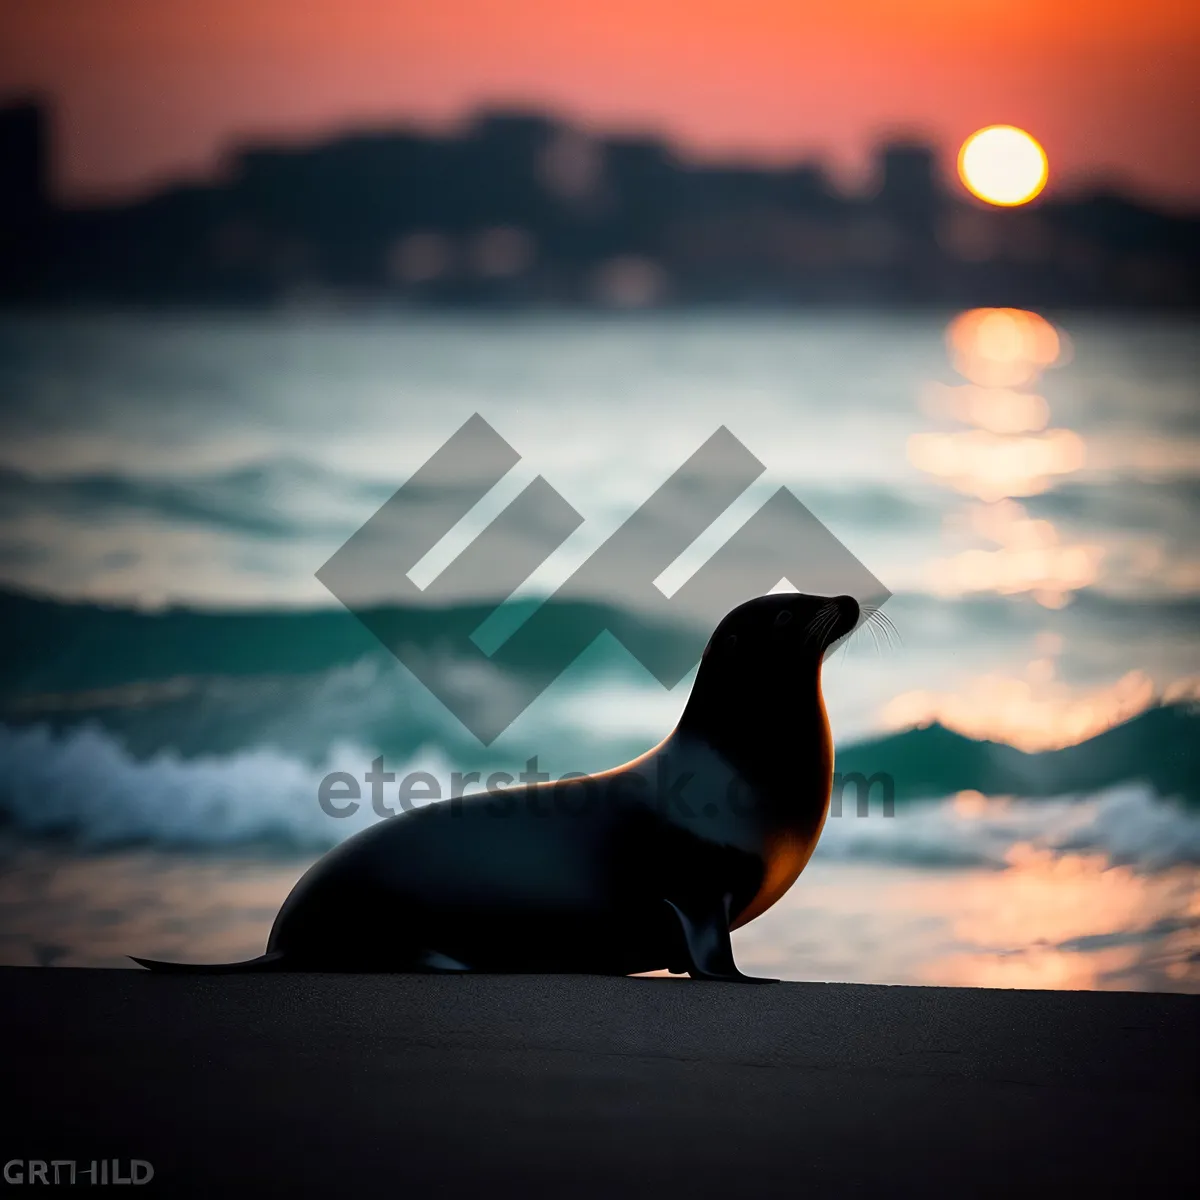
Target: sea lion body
(644,867)
(568,876)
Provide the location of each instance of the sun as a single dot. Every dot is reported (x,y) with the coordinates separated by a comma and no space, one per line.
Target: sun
(1003,165)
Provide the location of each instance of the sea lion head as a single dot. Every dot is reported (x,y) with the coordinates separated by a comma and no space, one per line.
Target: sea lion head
(757,695)
(770,633)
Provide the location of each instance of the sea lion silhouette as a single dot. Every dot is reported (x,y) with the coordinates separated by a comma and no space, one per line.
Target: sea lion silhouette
(644,867)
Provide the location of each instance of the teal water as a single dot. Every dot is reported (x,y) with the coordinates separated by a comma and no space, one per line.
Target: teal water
(176,681)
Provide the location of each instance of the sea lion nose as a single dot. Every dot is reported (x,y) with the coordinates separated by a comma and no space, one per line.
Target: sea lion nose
(848,608)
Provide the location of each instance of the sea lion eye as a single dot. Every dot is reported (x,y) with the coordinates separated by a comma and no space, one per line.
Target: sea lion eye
(783,618)
(731,642)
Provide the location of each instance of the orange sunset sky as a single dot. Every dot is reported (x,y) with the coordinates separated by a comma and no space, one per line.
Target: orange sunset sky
(149,90)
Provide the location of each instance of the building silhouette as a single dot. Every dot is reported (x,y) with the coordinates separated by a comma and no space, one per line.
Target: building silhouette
(520,208)
(25,212)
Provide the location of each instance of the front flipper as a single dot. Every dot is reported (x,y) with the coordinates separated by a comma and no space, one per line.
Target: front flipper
(705,929)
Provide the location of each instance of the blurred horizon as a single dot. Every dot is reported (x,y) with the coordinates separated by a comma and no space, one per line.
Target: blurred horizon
(520,209)
(862,179)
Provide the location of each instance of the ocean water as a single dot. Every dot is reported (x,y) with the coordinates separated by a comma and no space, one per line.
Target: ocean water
(176,681)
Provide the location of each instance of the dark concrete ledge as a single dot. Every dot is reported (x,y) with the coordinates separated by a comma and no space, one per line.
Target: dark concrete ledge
(407,1086)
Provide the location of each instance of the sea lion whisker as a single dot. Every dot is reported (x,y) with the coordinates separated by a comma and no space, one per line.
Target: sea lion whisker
(876,617)
(855,629)
(873,625)
(828,624)
(844,647)
(820,623)
(822,615)
(892,626)
(870,628)
(850,637)
(885,625)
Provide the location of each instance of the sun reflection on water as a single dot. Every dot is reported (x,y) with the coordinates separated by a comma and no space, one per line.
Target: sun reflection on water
(1010,451)
(1068,921)
(1046,917)
(995,466)
(1003,347)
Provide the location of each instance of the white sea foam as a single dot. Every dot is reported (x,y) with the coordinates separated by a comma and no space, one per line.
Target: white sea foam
(83,786)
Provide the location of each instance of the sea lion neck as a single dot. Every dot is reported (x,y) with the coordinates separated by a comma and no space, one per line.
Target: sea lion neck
(760,723)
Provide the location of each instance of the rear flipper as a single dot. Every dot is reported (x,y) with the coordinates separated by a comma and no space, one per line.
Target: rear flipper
(705,929)
(427,961)
(274,961)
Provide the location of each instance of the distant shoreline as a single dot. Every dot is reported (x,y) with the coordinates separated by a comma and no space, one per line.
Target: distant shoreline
(358,307)
(519,208)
